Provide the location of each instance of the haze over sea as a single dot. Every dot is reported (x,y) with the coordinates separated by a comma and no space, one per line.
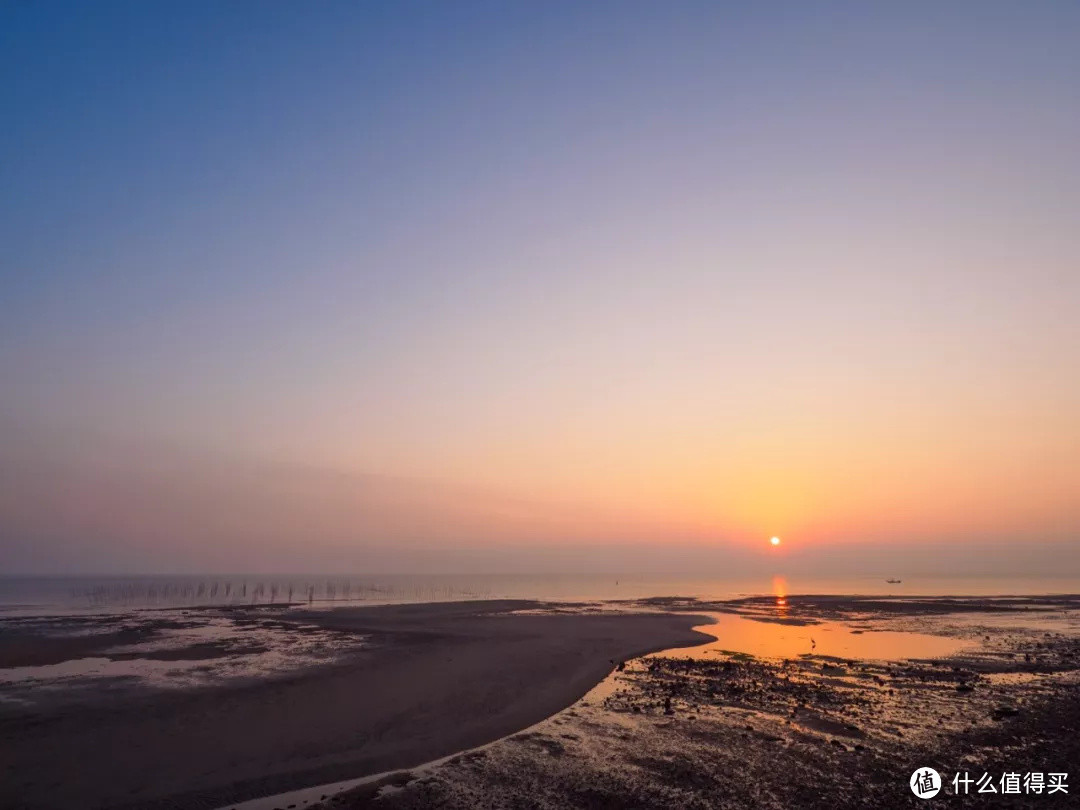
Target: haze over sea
(31,595)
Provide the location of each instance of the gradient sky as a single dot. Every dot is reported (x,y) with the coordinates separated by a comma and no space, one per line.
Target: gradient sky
(405,286)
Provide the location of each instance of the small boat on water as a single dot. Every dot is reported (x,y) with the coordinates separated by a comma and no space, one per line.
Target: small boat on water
(894,581)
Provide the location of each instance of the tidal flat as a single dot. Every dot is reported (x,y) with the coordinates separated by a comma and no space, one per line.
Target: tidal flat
(711,727)
(757,702)
(198,709)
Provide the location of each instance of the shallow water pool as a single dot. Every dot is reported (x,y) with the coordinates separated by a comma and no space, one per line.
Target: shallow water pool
(770,639)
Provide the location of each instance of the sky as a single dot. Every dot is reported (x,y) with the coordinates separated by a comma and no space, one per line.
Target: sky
(513,286)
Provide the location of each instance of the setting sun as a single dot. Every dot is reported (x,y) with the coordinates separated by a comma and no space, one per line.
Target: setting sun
(775,541)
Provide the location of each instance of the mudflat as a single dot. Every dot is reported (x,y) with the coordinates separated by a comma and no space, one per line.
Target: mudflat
(817,726)
(420,682)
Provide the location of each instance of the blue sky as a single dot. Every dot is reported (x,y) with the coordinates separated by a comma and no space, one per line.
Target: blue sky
(691,267)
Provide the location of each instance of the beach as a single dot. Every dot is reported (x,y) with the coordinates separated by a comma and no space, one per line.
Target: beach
(807,701)
(409,683)
(708,727)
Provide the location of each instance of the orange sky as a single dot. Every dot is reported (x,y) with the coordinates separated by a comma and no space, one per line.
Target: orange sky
(406,290)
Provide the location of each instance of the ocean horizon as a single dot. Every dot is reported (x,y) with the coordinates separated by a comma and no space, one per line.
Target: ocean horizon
(60,594)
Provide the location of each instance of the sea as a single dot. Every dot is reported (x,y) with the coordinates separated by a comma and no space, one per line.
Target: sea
(64,595)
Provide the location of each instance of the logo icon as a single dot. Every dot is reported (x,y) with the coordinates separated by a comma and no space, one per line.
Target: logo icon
(925,783)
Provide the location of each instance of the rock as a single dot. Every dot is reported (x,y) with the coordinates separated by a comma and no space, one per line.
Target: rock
(1003,712)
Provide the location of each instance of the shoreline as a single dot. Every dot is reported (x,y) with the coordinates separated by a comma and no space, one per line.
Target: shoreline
(721,728)
(414,686)
(429,680)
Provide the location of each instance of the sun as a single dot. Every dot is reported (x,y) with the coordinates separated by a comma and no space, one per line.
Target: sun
(775,541)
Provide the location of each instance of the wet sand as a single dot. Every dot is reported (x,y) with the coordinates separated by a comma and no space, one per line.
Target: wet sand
(707,728)
(423,681)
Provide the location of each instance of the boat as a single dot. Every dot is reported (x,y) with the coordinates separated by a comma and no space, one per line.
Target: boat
(894,581)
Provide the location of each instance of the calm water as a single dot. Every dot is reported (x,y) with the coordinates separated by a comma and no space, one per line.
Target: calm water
(50,595)
(836,639)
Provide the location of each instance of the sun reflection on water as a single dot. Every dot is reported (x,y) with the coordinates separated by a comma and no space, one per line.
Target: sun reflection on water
(779,589)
